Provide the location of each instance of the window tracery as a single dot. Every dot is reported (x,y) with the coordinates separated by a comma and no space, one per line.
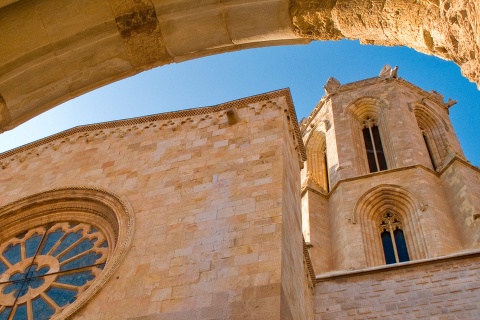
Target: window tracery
(370,135)
(393,239)
(432,128)
(44,269)
(373,146)
(58,248)
(403,205)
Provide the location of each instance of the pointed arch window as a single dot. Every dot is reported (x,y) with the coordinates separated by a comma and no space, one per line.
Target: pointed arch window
(393,239)
(432,128)
(325,181)
(317,166)
(373,146)
(426,139)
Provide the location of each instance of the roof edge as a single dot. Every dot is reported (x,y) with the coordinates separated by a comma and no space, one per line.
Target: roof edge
(171,115)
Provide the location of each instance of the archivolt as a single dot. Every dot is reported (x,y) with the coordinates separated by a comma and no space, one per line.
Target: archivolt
(105,210)
(395,199)
(433,127)
(316,165)
(366,107)
(373,108)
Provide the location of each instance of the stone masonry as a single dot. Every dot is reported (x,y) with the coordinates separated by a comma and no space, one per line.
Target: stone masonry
(54,50)
(214,193)
(237,211)
(428,185)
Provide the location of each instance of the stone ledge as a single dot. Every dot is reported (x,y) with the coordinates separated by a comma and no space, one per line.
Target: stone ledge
(346,274)
(223,107)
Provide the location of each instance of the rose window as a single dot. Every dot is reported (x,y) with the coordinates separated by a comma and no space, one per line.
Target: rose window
(45,269)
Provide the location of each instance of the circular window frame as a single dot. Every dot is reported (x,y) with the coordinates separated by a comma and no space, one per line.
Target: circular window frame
(110,213)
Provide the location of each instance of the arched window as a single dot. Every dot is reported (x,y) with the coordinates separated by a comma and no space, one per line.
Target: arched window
(317,166)
(428,144)
(58,248)
(391,227)
(433,128)
(373,146)
(393,239)
(371,135)
(325,170)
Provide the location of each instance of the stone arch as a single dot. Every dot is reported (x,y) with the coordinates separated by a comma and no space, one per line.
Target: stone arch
(389,198)
(317,167)
(106,211)
(50,54)
(373,108)
(366,107)
(433,128)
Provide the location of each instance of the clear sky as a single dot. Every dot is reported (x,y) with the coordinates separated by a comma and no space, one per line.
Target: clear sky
(221,78)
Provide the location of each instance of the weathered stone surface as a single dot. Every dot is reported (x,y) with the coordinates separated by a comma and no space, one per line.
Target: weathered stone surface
(442,289)
(219,202)
(427,186)
(445,28)
(52,50)
(214,204)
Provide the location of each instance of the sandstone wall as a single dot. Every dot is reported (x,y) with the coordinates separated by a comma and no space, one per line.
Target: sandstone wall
(462,184)
(297,302)
(316,207)
(51,50)
(439,289)
(351,237)
(213,205)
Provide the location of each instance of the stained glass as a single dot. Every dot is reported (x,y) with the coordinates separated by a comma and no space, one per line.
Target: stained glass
(44,269)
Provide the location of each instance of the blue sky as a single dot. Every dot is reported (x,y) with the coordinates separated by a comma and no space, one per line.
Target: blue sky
(220,78)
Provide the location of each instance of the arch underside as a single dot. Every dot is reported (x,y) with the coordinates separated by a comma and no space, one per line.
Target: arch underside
(396,200)
(54,50)
(316,165)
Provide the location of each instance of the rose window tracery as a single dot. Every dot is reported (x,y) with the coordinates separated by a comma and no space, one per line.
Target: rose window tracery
(45,269)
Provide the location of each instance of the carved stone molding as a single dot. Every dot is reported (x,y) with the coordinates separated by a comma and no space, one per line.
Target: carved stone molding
(110,213)
(192,119)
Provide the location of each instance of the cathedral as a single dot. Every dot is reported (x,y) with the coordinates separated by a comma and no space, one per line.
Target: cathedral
(367,209)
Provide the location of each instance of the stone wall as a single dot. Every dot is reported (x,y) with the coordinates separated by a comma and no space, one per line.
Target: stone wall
(296,297)
(444,28)
(462,183)
(213,202)
(436,232)
(316,208)
(51,51)
(446,288)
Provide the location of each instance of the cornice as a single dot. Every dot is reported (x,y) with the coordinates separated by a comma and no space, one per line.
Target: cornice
(432,95)
(458,159)
(308,187)
(168,120)
(330,276)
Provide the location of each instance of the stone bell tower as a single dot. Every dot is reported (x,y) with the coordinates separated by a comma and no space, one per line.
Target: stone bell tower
(386,188)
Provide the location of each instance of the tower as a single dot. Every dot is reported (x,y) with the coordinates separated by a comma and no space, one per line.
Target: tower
(386,188)
(198,214)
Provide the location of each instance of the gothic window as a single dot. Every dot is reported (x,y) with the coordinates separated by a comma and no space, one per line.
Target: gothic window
(58,248)
(373,146)
(393,239)
(432,128)
(317,165)
(45,269)
(426,139)
(325,171)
